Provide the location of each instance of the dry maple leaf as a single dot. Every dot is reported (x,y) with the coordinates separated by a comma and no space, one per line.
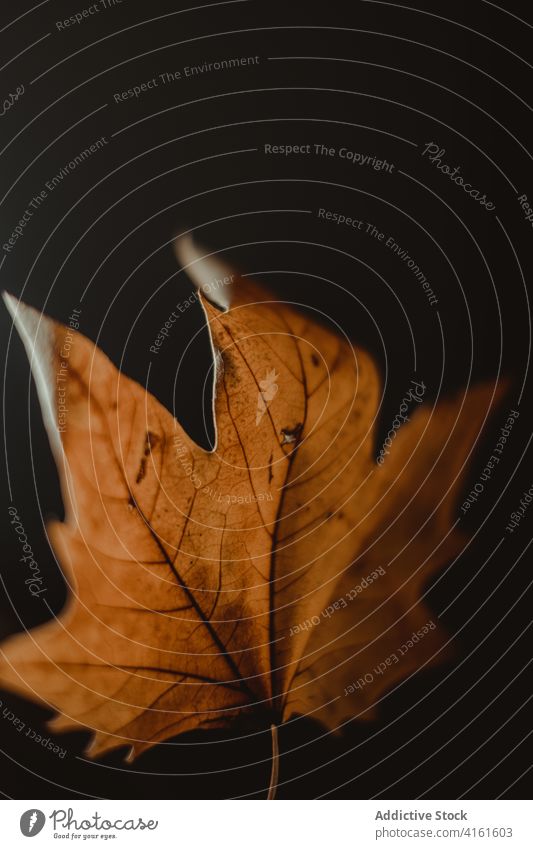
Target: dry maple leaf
(209,585)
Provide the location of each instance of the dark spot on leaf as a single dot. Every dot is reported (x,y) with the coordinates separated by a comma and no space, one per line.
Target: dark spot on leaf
(289,435)
(142,471)
(227,369)
(315,360)
(150,442)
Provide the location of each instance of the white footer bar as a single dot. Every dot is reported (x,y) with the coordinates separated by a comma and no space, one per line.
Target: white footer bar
(263,825)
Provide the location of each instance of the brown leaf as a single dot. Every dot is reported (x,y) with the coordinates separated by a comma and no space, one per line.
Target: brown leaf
(204,586)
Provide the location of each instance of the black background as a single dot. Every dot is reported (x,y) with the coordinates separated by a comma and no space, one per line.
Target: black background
(456,74)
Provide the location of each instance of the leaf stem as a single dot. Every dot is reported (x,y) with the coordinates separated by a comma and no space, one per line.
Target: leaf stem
(275,763)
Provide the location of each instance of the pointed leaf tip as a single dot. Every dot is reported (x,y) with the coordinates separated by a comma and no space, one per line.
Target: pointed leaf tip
(37,334)
(209,273)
